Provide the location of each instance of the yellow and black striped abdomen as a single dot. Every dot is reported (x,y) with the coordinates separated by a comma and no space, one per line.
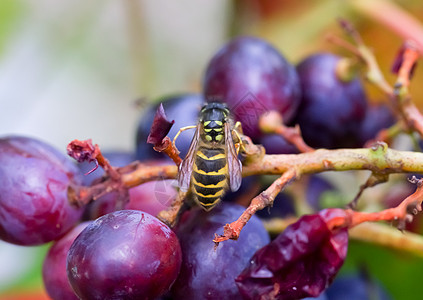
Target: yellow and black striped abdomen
(209,175)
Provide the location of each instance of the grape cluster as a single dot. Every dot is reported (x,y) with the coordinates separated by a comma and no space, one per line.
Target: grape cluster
(100,253)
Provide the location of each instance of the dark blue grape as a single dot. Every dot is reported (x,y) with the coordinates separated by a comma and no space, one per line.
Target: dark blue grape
(184,109)
(250,186)
(276,144)
(317,186)
(378,117)
(209,273)
(356,287)
(283,206)
(331,110)
(252,77)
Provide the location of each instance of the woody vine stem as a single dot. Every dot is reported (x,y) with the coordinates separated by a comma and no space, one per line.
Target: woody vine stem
(378,158)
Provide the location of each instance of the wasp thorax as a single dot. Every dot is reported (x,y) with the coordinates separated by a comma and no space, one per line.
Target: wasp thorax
(213,116)
(213,131)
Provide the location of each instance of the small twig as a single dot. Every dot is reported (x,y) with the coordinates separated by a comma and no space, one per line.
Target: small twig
(374,179)
(137,174)
(232,231)
(167,147)
(380,159)
(386,134)
(409,58)
(271,122)
(399,97)
(333,39)
(402,213)
(171,215)
(373,74)
(86,151)
(392,16)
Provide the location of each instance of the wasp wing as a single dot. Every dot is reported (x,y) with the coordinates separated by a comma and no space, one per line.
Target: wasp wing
(234,164)
(185,168)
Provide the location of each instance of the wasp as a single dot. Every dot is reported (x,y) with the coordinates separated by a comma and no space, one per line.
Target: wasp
(211,165)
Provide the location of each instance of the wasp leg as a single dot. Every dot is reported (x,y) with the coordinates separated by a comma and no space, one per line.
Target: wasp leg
(238,144)
(179,132)
(238,126)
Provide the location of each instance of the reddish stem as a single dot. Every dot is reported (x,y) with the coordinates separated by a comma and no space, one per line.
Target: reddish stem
(402,213)
(409,59)
(166,146)
(293,136)
(271,122)
(266,198)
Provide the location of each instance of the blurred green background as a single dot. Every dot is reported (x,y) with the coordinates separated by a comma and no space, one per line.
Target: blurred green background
(85,69)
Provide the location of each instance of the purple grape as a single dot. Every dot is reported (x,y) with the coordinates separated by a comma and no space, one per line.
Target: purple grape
(150,197)
(356,286)
(34,176)
(252,77)
(126,254)
(283,206)
(54,267)
(322,296)
(249,186)
(207,273)
(378,117)
(331,110)
(316,188)
(276,144)
(184,109)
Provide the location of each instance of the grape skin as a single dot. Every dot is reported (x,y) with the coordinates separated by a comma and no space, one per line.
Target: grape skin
(252,77)
(54,266)
(126,254)
(331,110)
(34,208)
(207,273)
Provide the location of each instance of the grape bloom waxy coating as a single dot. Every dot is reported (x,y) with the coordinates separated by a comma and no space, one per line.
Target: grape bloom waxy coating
(126,254)
(34,207)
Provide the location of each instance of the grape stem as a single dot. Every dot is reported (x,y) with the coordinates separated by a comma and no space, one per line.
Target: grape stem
(402,213)
(166,146)
(386,135)
(400,99)
(264,199)
(394,17)
(271,122)
(381,160)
